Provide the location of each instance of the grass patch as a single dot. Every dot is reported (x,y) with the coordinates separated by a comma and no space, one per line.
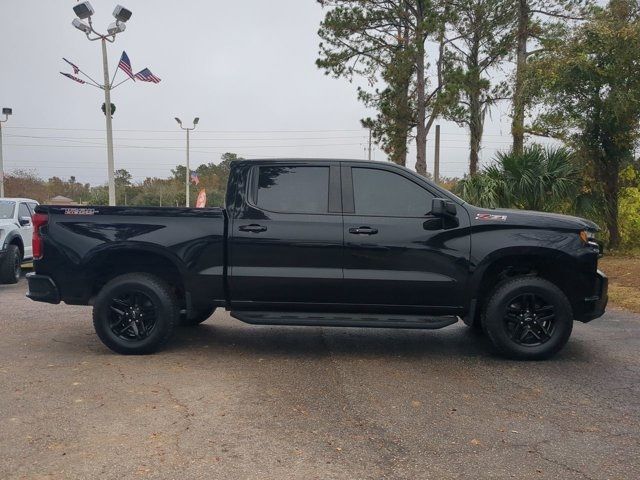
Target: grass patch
(624,280)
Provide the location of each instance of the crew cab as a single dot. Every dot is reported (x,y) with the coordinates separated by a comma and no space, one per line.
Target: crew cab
(15,236)
(323,243)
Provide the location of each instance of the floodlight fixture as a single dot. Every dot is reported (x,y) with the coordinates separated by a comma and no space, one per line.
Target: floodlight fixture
(83,10)
(179,121)
(115,28)
(80,25)
(122,14)
(7,111)
(195,121)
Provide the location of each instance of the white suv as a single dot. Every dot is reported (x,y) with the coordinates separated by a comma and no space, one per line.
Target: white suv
(16,231)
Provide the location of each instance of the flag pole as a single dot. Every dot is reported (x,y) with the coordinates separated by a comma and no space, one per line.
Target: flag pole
(120,83)
(95,84)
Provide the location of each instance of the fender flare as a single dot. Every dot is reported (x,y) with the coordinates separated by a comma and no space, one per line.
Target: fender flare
(13,237)
(517,251)
(135,247)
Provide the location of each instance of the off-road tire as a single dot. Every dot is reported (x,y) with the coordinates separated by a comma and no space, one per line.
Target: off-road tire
(159,298)
(498,320)
(10,268)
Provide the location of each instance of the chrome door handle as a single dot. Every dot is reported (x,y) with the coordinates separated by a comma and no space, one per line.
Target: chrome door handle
(363,231)
(253,228)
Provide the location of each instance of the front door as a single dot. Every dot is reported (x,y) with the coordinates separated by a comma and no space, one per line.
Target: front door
(396,253)
(285,242)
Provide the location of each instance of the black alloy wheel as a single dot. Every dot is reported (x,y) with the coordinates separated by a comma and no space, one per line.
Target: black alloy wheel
(135,313)
(133,316)
(530,320)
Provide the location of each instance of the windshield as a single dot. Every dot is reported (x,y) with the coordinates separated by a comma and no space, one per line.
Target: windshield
(6,209)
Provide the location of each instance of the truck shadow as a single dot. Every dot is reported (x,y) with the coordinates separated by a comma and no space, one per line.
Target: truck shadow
(314,342)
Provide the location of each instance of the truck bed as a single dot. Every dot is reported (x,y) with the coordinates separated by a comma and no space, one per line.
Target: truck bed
(82,242)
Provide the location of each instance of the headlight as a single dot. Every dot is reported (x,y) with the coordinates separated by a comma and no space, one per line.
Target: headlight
(588,239)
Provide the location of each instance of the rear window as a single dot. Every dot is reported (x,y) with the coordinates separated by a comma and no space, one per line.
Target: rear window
(6,209)
(293,189)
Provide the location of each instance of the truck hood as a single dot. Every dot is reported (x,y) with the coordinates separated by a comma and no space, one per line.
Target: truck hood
(6,222)
(529,218)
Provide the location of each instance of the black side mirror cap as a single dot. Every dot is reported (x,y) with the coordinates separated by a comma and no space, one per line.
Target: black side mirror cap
(443,208)
(24,221)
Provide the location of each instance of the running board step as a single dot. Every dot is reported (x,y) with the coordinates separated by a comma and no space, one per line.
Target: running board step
(344,320)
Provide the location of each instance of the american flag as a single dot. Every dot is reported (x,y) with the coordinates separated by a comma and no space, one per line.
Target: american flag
(194,178)
(146,76)
(75,79)
(74,66)
(125,65)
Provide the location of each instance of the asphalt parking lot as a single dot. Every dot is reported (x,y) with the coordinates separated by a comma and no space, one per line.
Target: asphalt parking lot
(232,401)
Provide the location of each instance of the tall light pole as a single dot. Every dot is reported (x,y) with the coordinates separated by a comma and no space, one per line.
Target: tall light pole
(84,11)
(5,112)
(187,179)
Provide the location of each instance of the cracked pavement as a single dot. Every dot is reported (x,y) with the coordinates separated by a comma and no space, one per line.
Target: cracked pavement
(232,401)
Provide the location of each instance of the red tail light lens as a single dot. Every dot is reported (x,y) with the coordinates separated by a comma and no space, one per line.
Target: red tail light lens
(39,220)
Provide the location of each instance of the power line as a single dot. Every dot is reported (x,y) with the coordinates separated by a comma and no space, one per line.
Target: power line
(173,131)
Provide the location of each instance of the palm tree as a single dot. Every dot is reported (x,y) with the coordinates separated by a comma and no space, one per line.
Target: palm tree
(538,179)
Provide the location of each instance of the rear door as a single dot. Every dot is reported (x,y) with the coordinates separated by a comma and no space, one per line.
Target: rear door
(396,252)
(286,238)
(26,231)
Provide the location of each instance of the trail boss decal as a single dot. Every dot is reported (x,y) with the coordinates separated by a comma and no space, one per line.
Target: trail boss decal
(491,217)
(80,211)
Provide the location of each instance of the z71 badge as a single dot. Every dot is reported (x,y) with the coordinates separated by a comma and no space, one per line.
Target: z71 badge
(491,217)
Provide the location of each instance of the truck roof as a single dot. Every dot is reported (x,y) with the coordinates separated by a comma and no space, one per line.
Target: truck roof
(311,160)
(16,199)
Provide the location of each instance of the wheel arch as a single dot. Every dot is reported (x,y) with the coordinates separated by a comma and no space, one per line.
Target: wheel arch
(548,263)
(14,238)
(112,261)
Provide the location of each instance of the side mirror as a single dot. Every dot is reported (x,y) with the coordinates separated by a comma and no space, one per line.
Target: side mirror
(443,208)
(24,221)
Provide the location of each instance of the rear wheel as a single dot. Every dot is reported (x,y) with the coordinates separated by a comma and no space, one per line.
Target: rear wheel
(528,318)
(11,266)
(135,314)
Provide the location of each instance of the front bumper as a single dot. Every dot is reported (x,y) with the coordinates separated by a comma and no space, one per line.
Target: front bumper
(597,304)
(42,289)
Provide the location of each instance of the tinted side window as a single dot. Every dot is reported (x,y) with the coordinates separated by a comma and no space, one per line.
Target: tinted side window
(294,189)
(387,194)
(23,211)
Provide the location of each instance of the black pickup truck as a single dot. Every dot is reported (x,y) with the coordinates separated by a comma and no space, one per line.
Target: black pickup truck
(323,243)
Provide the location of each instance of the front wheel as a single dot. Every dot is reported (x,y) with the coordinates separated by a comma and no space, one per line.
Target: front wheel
(528,318)
(135,314)
(11,265)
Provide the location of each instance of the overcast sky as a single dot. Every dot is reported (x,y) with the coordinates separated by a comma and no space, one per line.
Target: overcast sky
(246,68)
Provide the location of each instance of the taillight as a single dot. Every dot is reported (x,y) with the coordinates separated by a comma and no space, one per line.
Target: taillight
(39,220)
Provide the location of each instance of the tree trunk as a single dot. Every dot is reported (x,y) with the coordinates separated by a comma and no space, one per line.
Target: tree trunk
(421,130)
(611,188)
(476,120)
(519,100)
(421,110)
(403,117)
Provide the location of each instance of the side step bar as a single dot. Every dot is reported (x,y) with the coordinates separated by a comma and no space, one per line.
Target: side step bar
(344,320)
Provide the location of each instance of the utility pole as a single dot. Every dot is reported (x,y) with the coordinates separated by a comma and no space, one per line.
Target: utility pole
(369,157)
(187,179)
(6,112)
(84,11)
(107,115)
(436,158)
